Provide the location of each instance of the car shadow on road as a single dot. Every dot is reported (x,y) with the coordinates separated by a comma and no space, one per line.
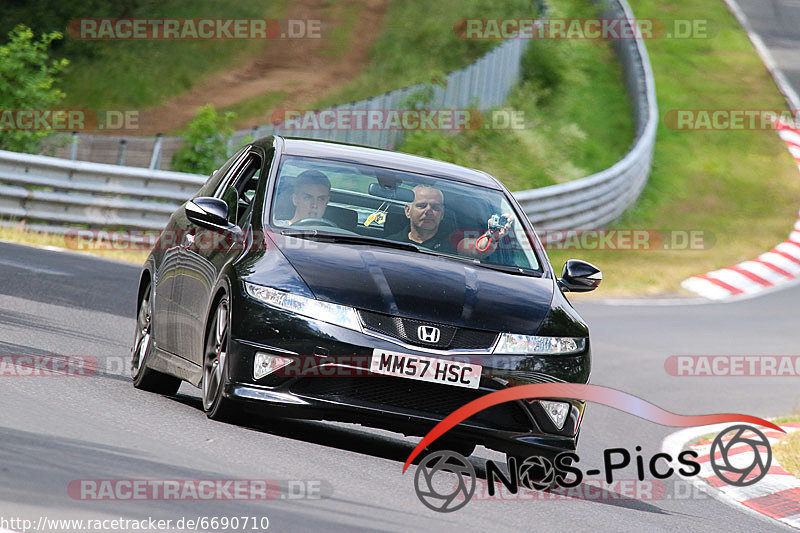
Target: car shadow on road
(348,437)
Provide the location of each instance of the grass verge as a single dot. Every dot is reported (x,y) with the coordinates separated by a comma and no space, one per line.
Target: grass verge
(19,234)
(787,452)
(576,114)
(259,106)
(417,44)
(141,74)
(739,187)
(346,15)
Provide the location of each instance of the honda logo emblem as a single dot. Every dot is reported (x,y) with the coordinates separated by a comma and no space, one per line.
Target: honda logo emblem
(428,334)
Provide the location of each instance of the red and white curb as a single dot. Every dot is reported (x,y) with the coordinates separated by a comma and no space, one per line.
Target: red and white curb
(775,497)
(777,267)
(791,136)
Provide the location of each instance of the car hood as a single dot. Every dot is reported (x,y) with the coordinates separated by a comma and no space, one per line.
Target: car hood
(421,286)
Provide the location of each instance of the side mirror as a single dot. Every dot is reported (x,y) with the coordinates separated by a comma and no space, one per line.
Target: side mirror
(207,211)
(579,276)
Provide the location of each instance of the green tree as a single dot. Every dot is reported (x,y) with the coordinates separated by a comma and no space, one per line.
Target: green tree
(27,81)
(205,141)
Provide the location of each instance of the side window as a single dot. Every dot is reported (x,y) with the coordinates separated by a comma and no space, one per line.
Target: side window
(213,182)
(239,192)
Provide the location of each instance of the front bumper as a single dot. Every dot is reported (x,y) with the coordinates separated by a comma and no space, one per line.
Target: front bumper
(332,382)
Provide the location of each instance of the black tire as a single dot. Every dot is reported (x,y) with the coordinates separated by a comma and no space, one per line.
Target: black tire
(215,368)
(143,377)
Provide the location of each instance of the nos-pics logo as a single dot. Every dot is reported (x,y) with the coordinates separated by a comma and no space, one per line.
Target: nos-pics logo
(445,481)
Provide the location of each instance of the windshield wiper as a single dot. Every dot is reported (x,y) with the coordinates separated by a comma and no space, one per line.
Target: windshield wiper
(519,271)
(350,239)
(315,234)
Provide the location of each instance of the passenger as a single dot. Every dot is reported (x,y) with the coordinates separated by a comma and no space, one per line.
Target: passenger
(425,214)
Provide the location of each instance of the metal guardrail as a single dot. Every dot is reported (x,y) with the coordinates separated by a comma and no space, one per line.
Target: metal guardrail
(601,198)
(481,85)
(125,150)
(53,192)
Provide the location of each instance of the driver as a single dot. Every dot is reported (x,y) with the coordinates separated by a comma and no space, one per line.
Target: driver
(312,192)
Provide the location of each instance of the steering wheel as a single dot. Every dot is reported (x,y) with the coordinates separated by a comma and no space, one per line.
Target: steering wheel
(315,222)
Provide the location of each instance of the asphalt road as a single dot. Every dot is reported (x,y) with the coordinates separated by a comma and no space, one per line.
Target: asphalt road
(55,430)
(777,22)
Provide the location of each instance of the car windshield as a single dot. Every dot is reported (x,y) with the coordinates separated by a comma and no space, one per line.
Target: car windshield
(323,197)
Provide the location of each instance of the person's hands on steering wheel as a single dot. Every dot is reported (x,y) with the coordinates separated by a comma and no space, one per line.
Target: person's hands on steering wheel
(315,222)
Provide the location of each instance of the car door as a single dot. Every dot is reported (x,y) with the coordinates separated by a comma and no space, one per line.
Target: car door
(164,333)
(173,244)
(205,256)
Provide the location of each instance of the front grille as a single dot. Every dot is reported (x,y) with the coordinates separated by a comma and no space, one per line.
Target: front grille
(405,329)
(431,399)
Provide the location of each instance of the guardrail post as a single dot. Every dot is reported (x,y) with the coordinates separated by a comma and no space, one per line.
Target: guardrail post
(155,159)
(73,153)
(121,153)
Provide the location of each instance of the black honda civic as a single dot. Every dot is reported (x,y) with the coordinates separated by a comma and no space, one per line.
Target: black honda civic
(320,280)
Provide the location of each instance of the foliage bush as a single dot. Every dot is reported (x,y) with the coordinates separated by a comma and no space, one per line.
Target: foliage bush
(206,140)
(27,81)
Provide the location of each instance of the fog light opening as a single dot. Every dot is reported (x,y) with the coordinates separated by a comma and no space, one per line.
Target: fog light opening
(557,411)
(266,364)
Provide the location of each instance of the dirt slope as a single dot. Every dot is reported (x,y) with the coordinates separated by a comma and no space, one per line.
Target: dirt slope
(295,66)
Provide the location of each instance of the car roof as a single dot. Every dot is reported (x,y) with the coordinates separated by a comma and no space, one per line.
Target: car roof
(382,158)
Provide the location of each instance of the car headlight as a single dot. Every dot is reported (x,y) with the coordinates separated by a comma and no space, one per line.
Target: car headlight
(531,344)
(327,312)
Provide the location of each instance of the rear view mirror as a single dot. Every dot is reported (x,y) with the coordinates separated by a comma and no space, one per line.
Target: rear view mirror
(389,193)
(579,276)
(207,211)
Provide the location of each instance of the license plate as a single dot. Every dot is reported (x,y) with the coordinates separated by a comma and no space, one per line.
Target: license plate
(423,368)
